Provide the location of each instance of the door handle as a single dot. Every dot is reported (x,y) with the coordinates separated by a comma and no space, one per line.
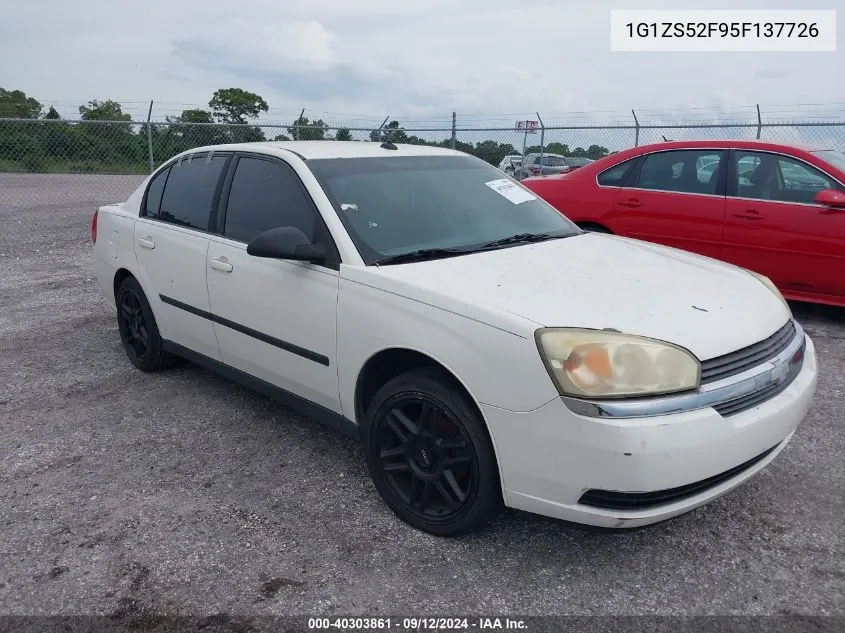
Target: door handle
(220,264)
(632,203)
(751,214)
(146,242)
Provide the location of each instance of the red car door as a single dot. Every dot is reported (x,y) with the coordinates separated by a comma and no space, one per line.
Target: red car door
(774,227)
(676,199)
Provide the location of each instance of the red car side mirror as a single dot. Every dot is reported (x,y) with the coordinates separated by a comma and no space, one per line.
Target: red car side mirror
(831,198)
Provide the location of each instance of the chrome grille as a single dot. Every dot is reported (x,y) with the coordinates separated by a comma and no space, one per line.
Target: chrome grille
(738,405)
(747,357)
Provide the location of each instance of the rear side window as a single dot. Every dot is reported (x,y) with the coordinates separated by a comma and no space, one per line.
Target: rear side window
(615,176)
(189,193)
(154,191)
(265,195)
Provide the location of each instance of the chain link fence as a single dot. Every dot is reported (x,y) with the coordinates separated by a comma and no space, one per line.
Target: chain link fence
(103,161)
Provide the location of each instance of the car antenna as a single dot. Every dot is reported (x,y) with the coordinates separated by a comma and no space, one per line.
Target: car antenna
(665,139)
(388,140)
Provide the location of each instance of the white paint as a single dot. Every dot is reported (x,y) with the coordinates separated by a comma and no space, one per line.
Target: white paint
(477,315)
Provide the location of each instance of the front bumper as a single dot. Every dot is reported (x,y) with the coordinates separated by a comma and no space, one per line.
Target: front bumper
(550,457)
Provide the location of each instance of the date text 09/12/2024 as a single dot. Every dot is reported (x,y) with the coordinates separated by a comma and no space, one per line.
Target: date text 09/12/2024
(416,624)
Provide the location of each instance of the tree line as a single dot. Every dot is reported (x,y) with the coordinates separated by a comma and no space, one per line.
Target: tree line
(113,143)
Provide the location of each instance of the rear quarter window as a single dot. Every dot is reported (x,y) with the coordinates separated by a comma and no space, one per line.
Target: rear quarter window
(152,199)
(615,176)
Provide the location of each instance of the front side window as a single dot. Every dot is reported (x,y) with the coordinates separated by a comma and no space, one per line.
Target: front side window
(764,176)
(685,171)
(395,206)
(189,192)
(264,195)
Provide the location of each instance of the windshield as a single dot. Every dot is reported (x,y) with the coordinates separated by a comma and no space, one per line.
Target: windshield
(579,162)
(398,205)
(837,159)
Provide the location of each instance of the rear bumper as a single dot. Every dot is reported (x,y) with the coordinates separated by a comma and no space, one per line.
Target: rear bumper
(550,457)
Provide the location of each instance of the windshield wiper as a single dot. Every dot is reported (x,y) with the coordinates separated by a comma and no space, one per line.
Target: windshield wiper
(422,255)
(521,238)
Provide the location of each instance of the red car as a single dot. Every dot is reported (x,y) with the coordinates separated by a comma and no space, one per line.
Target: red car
(775,209)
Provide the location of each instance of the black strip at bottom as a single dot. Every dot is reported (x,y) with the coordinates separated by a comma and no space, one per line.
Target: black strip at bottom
(613,500)
(261,336)
(318,412)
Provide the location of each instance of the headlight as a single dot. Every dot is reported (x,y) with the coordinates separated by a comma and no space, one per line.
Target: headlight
(771,286)
(603,364)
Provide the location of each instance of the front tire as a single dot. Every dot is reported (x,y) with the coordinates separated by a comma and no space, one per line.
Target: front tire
(430,456)
(138,329)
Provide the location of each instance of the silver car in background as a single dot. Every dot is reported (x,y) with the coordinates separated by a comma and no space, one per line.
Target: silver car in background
(549,165)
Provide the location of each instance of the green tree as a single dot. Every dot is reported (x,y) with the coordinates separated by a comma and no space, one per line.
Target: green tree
(107,110)
(195,116)
(492,152)
(558,148)
(343,134)
(305,130)
(52,113)
(233,105)
(14,104)
(392,131)
(597,151)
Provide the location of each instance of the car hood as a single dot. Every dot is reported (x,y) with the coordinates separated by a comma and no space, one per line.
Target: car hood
(597,281)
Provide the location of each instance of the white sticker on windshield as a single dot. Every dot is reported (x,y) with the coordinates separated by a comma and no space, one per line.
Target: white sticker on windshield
(511,191)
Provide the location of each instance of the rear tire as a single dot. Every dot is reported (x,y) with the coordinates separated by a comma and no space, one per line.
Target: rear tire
(138,329)
(429,454)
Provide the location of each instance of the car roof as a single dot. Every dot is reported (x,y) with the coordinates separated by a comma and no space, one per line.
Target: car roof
(737,143)
(312,150)
(748,144)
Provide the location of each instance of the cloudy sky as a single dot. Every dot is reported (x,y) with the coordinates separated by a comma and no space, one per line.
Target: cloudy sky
(417,59)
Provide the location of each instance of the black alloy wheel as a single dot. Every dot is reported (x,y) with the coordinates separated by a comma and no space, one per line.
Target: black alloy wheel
(138,329)
(133,330)
(430,455)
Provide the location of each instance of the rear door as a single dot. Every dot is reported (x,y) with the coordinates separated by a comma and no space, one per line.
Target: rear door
(774,227)
(676,198)
(171,240)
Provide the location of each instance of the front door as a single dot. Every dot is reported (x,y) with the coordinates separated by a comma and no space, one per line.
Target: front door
(274,319)
(774,227)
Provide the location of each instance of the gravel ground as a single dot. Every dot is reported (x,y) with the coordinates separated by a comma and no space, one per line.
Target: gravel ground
(123,493)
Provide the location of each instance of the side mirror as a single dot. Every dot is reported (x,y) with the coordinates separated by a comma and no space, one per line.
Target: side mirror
(831,198)
(286,242)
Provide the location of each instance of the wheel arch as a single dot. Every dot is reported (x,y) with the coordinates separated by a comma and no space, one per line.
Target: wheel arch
(119,276)
(123,273)
(390,362)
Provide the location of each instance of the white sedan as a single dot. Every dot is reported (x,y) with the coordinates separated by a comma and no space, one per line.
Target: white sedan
(487,352)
